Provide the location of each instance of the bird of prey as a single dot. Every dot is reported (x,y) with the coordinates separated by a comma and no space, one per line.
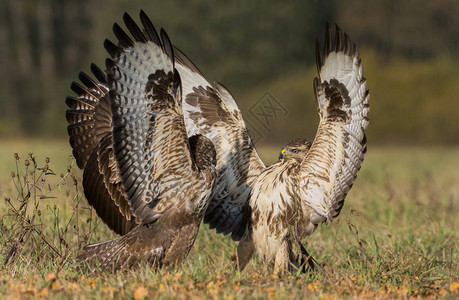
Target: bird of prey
(143,175)
(268,209)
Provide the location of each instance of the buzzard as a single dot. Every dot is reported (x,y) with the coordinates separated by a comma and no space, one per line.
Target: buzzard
(271,209)
(146,179)
(268,209)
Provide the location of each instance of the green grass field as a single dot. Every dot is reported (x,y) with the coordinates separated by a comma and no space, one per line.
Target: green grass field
(396,237)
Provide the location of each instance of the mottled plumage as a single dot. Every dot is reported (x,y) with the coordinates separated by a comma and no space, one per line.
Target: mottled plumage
(143,175)
(308,184)
(268,209)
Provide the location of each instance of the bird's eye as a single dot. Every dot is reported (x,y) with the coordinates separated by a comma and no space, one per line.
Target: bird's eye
(295,151)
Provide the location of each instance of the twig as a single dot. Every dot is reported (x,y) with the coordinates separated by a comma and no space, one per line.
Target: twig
(354,230)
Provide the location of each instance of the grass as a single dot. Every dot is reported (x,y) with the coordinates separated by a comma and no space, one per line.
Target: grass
(396,236)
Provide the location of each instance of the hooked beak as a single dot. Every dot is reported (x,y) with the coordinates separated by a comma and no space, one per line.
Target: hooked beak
(282,153)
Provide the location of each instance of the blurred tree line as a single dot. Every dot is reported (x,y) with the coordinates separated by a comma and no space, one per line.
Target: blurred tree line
(250,46)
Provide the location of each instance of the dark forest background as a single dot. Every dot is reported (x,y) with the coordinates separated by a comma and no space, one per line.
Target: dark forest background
(410,52)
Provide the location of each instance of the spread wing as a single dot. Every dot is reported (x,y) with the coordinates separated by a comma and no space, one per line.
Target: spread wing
(211,110)
(89,129)
(330,168)
(149,137)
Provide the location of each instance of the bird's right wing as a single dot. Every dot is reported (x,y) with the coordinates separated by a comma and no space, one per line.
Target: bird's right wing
(211,110)
(331,165)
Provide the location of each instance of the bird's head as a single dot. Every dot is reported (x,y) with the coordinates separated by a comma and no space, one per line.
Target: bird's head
(295,149)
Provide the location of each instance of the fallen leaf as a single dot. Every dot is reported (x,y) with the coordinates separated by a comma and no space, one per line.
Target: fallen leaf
(162,287)
(92,283)
(140,293)
(221,282)
(454,287)
(442,292)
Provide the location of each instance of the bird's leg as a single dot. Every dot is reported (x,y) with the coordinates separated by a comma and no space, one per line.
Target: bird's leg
(282,260)
(305,257)
(245,251)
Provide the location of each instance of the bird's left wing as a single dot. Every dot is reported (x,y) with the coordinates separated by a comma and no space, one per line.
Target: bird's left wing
(90,133)
(330,168)
(149,138)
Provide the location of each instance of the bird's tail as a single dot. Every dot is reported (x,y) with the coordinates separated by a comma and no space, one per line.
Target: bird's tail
(115,254)
(107,255)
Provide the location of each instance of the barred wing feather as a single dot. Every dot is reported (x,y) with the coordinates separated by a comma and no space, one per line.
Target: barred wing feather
(331,166)
(89,129)
(150,140)
(80,117)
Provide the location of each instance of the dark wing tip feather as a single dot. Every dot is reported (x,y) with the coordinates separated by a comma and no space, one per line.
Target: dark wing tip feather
(319,59)
(167,44)
(176,88)
(124,40)
(340,43)
(328,38)
(109,63)
(185,60)
(149,28)
(87,80)
(316,84)
(133,28)
(70,102)
(347,44)
(99,74)
(77,88)
(111,48)
(338,39)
